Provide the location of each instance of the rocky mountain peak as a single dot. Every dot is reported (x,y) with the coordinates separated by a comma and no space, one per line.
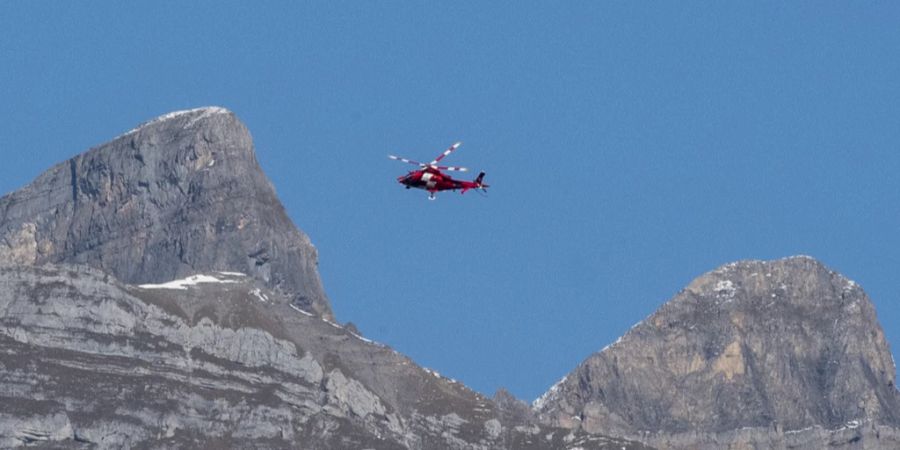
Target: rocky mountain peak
(180,194)
(162,266)
(780,345)
(188,117)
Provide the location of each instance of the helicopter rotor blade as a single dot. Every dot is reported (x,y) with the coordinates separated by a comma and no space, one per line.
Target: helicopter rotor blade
(397,158)
(446,152)
(450,168)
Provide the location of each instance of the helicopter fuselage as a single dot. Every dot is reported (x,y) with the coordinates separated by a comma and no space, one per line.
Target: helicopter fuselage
(432,181)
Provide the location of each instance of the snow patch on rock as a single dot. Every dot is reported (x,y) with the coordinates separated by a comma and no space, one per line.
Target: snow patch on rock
(205,112)
(233,274)
(301,311)
(539,402)
(258,293)
(725,290)
(184,283)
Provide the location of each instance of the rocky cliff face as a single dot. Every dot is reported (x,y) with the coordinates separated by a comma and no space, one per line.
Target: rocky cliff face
(778,354)
(153,294)
(178,195)
(219,361)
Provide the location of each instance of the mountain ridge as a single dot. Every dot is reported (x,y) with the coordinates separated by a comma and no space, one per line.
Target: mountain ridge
(164,261)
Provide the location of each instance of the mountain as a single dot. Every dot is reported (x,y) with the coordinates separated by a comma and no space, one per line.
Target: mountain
(755,354)
(178,195)
(155,295)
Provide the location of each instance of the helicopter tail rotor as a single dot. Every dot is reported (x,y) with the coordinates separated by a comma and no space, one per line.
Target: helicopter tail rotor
(478,180)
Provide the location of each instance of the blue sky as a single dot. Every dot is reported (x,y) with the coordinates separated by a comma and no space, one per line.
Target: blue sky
(631,146)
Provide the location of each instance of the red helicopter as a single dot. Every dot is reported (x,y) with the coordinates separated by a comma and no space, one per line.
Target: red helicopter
(430,177)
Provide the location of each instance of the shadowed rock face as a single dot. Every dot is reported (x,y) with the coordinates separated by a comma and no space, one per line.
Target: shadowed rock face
(178,195)
(751,353)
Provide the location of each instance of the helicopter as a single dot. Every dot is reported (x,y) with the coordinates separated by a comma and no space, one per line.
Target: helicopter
(431,178)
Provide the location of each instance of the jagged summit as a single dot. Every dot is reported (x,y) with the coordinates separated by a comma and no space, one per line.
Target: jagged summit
(777,346)
(178,195)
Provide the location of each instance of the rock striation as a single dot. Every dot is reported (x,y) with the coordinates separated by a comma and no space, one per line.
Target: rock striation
(755,354)
(154,294)
(178,195)
(219,361)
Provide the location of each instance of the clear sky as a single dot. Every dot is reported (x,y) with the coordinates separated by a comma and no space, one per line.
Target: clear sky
(631,146)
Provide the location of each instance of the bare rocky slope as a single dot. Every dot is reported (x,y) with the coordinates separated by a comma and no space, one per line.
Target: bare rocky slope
(219,361)
(154,294)
(755,354)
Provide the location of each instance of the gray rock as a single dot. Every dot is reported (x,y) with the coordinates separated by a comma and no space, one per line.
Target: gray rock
(513,410)
(17,430)
(98,349)
(493,428)
(179,195)
(86,361)
(351,397)
(752,355)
